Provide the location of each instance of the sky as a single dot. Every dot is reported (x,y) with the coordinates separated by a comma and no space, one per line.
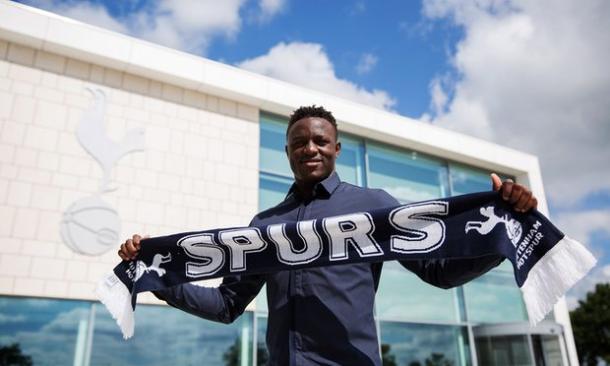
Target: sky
(531,75)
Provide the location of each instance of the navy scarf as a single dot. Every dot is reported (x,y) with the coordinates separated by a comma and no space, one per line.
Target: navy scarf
(546,263)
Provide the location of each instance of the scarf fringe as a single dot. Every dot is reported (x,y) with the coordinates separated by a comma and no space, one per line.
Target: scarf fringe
(554,274)
(117,299)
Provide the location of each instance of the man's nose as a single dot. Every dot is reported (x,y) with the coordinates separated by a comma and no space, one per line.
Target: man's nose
(310,148)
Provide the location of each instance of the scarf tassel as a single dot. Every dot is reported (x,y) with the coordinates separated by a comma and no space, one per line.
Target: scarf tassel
(554,274)
(117,299)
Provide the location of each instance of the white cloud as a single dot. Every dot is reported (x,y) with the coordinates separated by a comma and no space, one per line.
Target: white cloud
(307,64)
(439,96)
(533,76)
(580,225)
(85,12)
(4,319)
(367,62)
(188,25)
(597,275)
(269,8)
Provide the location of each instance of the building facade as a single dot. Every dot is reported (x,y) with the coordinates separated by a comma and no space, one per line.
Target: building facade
(103,135)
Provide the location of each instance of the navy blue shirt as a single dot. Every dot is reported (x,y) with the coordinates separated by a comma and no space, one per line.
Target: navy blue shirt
(318,316)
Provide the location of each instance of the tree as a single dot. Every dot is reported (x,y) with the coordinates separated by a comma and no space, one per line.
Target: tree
(11,355)
(231,355)
(438,359)
(591,326)
(262,356)
(387,358)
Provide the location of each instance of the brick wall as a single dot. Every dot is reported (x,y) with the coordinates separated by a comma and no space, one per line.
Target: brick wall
(199,169)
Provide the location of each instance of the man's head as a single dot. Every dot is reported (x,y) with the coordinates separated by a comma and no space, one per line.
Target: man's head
(311,145)
(312,111)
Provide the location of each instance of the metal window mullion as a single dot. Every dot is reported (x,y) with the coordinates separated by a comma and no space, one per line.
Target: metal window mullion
(473,350)
(366,164)
(531,348)
(254,337)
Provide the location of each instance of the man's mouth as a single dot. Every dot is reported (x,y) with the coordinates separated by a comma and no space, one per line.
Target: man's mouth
(311,162)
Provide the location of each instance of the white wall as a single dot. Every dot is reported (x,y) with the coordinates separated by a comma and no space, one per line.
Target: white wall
(199,168)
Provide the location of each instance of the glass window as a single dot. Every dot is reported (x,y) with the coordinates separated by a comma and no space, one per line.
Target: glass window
(547,350)
(424,344)
(261,301)
(272,158)
(46,332)
(350,164)
(262,353)
(166,336)
(503,351)
(408,176)
(494,297)
(466,179)
(404,296)
(65,332)
(272,190)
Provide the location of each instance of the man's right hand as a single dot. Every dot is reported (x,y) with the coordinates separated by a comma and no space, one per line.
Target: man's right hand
(129,249)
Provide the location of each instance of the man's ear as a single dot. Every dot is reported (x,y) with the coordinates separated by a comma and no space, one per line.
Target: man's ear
(286,149)
(338,148)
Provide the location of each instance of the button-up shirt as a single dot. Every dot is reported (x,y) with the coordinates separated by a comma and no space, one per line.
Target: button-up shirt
(318,316)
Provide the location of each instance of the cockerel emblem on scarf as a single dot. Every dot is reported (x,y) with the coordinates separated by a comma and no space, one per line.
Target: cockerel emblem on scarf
(158,259)
(514,230)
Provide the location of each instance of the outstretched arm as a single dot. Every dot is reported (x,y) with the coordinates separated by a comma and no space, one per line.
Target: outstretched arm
(446,273)
(223,304)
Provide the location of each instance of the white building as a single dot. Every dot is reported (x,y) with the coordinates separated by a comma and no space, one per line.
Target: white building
(103,135)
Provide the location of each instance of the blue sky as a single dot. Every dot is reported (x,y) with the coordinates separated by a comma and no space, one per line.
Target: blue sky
(527,74)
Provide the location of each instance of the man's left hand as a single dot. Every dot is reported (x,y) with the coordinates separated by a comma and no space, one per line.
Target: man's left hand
(518,195)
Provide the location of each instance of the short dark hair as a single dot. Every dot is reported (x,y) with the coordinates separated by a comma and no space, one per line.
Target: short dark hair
(312,111)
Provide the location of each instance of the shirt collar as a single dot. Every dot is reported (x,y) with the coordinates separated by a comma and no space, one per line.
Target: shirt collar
(326,186)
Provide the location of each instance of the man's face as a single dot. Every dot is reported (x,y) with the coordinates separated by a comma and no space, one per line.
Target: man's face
(312,149)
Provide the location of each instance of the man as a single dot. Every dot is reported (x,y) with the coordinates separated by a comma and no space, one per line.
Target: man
(322,316)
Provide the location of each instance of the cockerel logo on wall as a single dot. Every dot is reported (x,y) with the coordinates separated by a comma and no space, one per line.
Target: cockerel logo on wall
(90,225)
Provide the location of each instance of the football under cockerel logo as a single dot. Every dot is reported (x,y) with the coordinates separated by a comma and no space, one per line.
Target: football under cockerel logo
(514,230)
(90,225)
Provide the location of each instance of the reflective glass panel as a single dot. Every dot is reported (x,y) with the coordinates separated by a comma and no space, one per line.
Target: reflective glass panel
(404,296)
(262,354)
(547,351)
(167,336)
(503,351)
(45,332)
(408,176)
(65,332)
(350,164)
(424,344)
(272,158)
(261,301)
(466,179)
(494,297)
(272,190)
